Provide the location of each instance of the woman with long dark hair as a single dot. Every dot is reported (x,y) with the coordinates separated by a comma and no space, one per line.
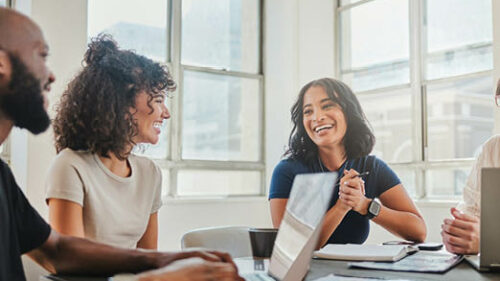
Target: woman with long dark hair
(330,133)
(95,187)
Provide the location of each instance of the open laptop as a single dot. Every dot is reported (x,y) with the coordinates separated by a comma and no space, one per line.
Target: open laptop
(489,257)
(299,230)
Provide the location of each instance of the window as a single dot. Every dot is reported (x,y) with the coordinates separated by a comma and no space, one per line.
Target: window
(422,71)
(3,3)
(213,144)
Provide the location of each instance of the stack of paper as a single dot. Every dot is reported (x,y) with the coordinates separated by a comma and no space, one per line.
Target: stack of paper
(366,252)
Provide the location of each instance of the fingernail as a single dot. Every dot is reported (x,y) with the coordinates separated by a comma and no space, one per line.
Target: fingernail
(346,182)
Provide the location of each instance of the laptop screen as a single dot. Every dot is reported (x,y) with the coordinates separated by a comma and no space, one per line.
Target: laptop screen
(299,230)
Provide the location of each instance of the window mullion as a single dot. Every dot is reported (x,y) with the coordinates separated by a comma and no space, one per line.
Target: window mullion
(176,124)
(417,41)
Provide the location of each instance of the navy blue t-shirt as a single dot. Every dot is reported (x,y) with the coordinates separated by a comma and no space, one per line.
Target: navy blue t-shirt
(354,228)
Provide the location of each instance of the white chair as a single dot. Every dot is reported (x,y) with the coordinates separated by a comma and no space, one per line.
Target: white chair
(234,240)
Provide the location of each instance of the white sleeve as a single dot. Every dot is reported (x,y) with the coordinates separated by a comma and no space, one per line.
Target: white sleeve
(488,157)
(64,182)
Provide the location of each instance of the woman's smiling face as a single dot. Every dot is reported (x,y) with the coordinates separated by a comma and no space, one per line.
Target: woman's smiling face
(149,117)
(323,119)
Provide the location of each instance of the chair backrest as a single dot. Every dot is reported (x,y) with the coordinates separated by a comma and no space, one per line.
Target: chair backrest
(234,240)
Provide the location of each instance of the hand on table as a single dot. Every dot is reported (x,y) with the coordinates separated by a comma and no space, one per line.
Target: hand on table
(208,255)
(461,234)
(196,269)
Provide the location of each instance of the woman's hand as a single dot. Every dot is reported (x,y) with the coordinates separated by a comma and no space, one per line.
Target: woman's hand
(352,192)
(342,205)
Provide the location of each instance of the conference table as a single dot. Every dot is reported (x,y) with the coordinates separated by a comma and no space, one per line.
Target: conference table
(319,268)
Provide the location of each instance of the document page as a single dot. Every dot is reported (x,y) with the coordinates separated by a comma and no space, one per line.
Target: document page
(423,261)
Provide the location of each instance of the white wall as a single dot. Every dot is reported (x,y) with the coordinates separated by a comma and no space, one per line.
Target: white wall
(299,47)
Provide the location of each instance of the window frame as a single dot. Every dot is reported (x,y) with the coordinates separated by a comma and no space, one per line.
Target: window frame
(418,87)
(174,161)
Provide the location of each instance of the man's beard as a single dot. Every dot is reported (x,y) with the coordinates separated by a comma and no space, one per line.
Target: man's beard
(23,102)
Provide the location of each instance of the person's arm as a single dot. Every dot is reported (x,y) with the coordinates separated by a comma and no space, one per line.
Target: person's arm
(149,239)
(64,254)
(278,206)
(331,221)
(461,234)
(398,214)
(66,217)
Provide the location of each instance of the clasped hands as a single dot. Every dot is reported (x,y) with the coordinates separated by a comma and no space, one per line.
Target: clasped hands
(352,193)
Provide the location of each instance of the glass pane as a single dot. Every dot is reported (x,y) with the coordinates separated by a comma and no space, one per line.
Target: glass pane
(391,119)
(408,179)
(375,44)
(446,182)
(218,182)
(459,37)
(3,3)
(221,117)
(134,24)
(221,34)
(460,117)
(165,182)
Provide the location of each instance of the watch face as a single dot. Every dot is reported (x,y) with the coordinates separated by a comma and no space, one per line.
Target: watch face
(374,208)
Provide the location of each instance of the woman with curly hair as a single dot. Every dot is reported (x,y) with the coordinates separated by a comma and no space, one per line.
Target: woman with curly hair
(331,133)
(95,187)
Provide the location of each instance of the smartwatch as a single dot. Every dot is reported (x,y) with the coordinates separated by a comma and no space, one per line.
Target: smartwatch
(373,209)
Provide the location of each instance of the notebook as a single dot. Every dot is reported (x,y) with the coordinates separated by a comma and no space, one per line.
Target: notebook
(489,248)
(299,230)
(365,252)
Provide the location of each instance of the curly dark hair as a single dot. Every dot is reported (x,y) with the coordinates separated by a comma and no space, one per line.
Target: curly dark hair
(358,140)
(94,111)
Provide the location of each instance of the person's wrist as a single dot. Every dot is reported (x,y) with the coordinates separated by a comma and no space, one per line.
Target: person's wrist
(343,208)
(365,204)
(160,259)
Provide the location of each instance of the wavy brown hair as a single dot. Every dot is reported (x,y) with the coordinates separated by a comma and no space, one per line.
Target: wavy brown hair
(94,111)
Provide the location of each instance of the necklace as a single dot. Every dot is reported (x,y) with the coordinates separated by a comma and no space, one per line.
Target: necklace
(321,165)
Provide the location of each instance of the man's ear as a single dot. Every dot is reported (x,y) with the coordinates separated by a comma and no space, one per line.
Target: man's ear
(5,67)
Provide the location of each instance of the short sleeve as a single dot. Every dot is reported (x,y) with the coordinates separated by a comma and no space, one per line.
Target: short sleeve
(32,231)
(488,157)
(157,201)
(386,177)
(281,180)
(64,181)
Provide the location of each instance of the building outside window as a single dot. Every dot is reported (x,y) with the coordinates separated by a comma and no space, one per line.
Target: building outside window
(422,71)
(213,143)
